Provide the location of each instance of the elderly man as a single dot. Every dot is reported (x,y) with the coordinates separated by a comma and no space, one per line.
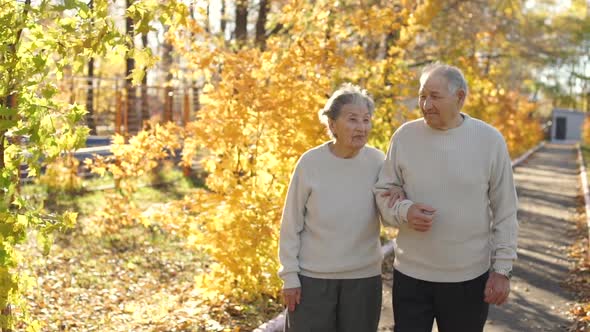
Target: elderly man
(457,227)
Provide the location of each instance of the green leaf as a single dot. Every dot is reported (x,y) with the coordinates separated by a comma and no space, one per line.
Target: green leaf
(32,172)
(40,61)
(6,226)
(49,91)
(45,241)
(8,117)
(4,257)
(21,222)
(68,219)
(35,326)
(68,24)
(143,27)
(70,4)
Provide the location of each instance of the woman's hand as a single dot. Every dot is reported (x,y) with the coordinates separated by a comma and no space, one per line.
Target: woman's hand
(395,194)
(292,297)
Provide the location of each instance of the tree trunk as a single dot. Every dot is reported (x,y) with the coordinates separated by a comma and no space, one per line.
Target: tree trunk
(90,98)
(132,121)
(196,99)
(196,105)
(261,24)
(2,164)
(7,311)
(223,19)
(167,62)
(208,23)
(572,84)
(145,111)
(241,31)
(390,41)
(329,26)
(328,32)
(90,90)
(10,102)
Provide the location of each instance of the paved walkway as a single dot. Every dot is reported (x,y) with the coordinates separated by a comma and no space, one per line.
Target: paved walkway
(548,185)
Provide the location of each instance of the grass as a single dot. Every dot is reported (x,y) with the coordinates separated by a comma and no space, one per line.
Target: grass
(586,154)
(579,279)
(132,281)
(139,279)
(166,185)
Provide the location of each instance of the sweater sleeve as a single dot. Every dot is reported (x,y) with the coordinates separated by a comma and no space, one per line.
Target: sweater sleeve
(504,206)
(291,226)
(389,176)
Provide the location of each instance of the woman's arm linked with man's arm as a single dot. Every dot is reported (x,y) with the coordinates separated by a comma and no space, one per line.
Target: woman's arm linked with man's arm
(394,206)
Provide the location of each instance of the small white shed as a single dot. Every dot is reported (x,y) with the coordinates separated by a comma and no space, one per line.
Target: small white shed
(566,125)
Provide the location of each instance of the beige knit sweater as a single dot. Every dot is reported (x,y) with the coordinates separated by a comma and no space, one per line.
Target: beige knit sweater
(465,173)
(330,225)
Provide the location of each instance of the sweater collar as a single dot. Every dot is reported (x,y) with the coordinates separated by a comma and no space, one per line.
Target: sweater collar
(466,119)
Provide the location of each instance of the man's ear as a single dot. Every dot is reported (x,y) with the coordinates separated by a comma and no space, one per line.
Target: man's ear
(461,97)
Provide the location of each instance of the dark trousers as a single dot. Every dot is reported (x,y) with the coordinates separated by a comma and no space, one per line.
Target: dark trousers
(457,306)
(337,305)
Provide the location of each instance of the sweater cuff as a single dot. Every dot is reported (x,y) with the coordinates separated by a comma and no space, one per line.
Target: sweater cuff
(503,265)
(291,280)
(403,210)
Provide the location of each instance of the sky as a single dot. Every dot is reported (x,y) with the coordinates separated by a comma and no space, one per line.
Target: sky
(559,4)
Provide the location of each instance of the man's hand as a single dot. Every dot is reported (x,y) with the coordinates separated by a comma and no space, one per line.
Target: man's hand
(395,194)
(420,217)
(292,297)
(497,289)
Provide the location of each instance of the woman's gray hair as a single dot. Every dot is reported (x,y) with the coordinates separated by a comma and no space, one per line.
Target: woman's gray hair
(348,93)
(455,78)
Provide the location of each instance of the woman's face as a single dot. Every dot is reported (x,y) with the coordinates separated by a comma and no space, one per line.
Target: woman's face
(352,126)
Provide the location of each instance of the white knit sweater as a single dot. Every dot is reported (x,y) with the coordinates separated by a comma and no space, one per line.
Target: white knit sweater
(330,225)
(465,173)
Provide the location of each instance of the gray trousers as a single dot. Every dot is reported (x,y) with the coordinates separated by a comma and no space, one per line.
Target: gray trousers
(337,305)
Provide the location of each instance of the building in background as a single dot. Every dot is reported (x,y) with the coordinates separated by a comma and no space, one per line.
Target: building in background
(567,125)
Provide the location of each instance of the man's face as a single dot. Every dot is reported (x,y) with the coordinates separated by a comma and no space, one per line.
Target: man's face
(439,107)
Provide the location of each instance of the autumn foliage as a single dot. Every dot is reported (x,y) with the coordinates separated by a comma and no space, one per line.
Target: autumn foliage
(258,120)
(258,113)
(129,163)
(511,113)
(586,131)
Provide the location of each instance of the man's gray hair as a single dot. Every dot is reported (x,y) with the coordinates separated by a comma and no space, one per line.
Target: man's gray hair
(348,93)
(455,78)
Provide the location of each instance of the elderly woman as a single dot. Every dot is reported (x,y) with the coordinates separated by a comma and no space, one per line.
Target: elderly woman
(329,242)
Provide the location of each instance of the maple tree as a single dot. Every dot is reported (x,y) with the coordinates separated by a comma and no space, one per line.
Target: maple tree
(260,88)
(260,103)
(130,162)
(38,44)
(260,115)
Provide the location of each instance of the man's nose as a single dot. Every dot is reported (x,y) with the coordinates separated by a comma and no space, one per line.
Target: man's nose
(427,103)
